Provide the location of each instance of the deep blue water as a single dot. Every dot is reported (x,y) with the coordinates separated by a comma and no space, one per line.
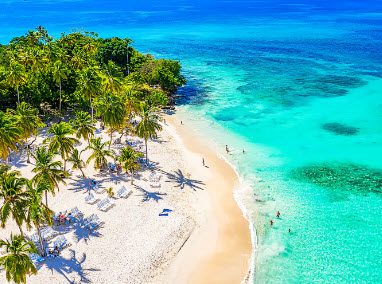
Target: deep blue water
(288,81)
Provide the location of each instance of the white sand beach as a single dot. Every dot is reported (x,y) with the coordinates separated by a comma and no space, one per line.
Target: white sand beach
(204,238)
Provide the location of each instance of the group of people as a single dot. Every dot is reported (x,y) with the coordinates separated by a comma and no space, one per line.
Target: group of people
(278,214)
(63,218)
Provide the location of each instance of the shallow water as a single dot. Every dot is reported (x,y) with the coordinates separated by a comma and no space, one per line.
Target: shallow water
(268,77)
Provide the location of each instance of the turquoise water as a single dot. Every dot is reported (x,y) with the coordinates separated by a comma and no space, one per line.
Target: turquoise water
(298,86)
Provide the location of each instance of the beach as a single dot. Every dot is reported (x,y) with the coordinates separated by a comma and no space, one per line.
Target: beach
(203,239)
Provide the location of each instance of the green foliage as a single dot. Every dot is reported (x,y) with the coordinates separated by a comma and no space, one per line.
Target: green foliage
(83,125)
(14,198)
(74,69)
(77,162)
(10,134)
(15,260)
(129,160)
(61,142)
(48,172)
(148,127)
(99,153)
(27,120)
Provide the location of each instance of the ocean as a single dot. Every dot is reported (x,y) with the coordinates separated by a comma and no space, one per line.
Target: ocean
(297,85)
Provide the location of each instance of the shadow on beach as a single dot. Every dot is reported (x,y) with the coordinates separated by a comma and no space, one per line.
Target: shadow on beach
(66,266)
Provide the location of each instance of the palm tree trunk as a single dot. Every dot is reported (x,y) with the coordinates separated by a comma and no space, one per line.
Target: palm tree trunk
(64,165)
(21,229)
(18,94)
(46,198)
(111,137)
(132,177)
(60,97)
(147,157)
(43,253)
(91,107)
(83,175)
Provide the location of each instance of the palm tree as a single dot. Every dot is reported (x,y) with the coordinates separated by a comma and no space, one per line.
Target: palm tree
(111,108)
(38,213)
(15,260)
(60,142)
(47,171)
(9,134)
(129,160)
(83,125)
(28,121)
(77,162)
(111,77)
(15,76)
(89,84)
(14,198)
(148,126)
(99,153)
(60,73)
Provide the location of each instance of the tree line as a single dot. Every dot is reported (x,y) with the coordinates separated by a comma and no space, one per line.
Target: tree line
(86,78)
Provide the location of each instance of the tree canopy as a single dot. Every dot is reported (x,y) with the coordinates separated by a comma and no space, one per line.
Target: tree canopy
(70,71)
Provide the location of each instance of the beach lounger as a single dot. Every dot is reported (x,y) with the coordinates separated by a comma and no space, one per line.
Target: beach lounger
(98,189)
(105,204)
(61,242)
(154,177)
(123,193)
(92,222)
(163,214)
(48,233)
(91,199)
(34,238)
(76,213)
(155,184)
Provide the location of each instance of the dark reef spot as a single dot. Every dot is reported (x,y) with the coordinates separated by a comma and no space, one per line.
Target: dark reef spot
(341,176)
(340,129)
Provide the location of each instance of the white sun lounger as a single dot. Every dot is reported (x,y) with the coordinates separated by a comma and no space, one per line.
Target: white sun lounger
(154,177)
(98,189)
(123,192)
(61,242)
(92,222)
(75,212)
(155,184)
(105,204)
(48,233)
(34,238)
(91,199)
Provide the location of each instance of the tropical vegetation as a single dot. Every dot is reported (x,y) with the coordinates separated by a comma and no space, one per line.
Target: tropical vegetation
(61,89)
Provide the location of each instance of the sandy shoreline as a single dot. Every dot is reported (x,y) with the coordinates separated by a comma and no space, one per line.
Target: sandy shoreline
(223,237)
(205,239)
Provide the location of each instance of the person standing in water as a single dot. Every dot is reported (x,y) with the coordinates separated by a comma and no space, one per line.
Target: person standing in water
(271,223)
(226,149)
(278,214)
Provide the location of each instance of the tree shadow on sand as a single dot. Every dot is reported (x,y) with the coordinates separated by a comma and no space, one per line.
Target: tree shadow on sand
(182,181)
(66,266)
(147,195)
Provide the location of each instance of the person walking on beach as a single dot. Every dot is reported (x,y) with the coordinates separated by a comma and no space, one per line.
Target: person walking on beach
(203,162)
(181,122)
